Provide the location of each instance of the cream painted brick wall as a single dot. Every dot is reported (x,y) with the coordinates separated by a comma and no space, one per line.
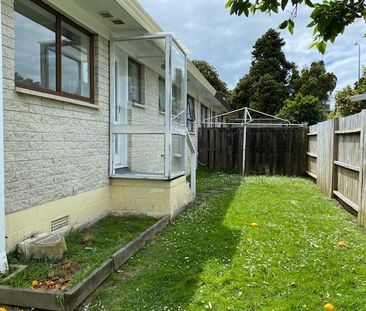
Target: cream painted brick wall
(52,149)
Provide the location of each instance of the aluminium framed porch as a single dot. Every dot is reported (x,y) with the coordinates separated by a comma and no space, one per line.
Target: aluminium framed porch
(171,133)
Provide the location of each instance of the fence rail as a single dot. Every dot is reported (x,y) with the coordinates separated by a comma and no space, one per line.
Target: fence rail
(336,159)
(270,150)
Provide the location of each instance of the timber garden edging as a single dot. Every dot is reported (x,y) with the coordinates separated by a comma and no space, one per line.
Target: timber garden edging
(71,299)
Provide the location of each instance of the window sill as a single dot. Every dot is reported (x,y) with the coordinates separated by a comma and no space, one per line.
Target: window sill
(138,105)
(55,97)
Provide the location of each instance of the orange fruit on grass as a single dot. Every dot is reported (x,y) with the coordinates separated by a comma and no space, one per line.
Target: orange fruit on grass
(329,307)
(34,284)
(342,244)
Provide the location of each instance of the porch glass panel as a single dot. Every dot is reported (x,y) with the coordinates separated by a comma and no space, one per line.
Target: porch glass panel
(148,107)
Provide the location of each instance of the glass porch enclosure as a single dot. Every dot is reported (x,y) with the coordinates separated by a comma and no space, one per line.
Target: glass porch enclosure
(148,107)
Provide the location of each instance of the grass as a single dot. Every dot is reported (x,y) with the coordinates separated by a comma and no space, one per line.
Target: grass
(211,258)
(86,250)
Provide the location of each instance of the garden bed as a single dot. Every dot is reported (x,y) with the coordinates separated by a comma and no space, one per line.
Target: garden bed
(92,255)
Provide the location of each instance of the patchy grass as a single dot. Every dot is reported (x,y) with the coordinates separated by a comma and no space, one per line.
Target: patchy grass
(211,258)
(86,250)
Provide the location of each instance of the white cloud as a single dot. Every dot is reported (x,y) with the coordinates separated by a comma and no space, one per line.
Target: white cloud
(226,41)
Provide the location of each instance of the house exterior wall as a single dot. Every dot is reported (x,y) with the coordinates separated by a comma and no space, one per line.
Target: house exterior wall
(57,151)
(53,149)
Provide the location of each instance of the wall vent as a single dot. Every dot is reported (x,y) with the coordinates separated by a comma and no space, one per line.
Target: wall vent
(106,14)
(118,22)
(59,223)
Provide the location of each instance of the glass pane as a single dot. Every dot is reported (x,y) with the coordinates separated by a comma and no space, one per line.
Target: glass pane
(35,46)
(178,154)
(134,81)
(179,92)
(75,58)
(135,154)
(161,94)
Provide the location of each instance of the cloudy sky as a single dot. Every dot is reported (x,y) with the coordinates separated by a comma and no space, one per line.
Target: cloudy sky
(225,41)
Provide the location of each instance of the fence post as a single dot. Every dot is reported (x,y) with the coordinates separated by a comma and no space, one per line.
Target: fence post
(362,179)
(334,157)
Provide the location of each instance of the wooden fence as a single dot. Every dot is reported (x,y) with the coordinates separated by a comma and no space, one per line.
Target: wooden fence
(270,150)
(337,161)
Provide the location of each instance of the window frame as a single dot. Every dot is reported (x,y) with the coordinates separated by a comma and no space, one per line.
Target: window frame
(60,18)
(191,113)
(141,76)
(161,108)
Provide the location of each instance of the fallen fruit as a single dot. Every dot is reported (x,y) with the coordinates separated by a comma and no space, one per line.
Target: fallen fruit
(49,283)
(254,225)
(342,244)
(329,307)
(34,284)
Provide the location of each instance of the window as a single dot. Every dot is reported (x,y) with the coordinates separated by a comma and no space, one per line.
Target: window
(161,94)
(134,82)
(191,116)
(52,54)
(213,120)
(162,97)
(204,116)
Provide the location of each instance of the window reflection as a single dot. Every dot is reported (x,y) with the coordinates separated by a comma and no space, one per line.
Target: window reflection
(35,50)
(75,61)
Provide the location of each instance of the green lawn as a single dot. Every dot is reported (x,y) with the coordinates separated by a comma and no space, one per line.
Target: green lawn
(211,258)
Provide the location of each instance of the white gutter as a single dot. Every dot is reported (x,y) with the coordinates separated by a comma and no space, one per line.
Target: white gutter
(357,98)
(3,260)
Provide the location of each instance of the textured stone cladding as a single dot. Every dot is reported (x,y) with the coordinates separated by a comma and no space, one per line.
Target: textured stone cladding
(53,149)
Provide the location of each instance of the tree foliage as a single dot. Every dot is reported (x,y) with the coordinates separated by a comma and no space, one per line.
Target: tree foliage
(316,81)
(265,86)
(343,105)
(302,109)
(212,76)
(328,18)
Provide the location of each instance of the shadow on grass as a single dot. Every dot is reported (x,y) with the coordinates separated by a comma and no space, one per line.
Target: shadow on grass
(168,272)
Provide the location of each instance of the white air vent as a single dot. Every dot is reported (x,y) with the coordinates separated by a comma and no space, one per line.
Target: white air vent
(59,223)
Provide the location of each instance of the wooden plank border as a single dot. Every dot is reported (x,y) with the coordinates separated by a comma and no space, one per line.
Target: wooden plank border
(68,301)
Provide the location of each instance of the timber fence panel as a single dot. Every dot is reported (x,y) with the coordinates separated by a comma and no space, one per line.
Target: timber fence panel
(325,142)
(336,159)
(347,161)
(269,150)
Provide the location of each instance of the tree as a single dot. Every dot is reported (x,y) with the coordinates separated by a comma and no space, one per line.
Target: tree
(265,87)
(268,96)
(240,95)
(329,18)
(316,81)
(343,105)
(212,76)
(302,109)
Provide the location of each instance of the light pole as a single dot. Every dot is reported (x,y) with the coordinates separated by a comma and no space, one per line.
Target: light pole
(359,61)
